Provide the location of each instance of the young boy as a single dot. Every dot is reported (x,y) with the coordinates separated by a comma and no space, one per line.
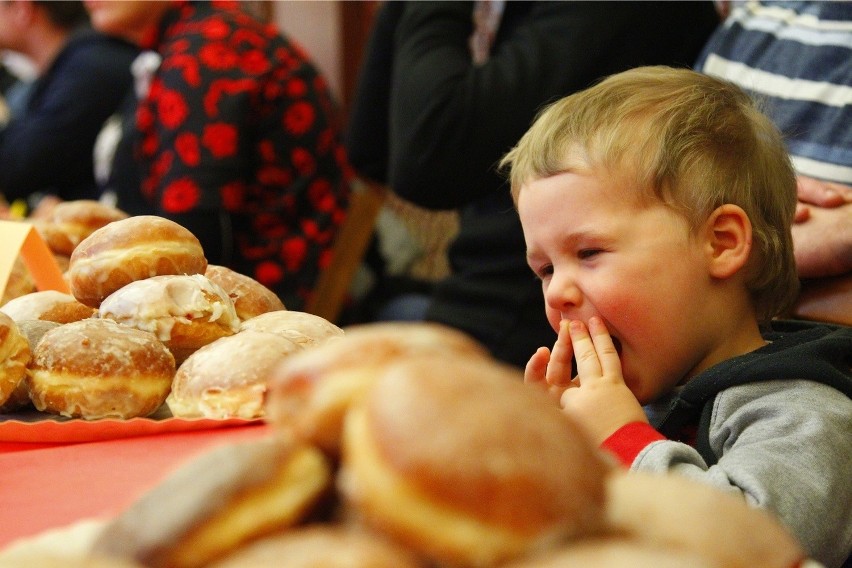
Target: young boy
(656,209)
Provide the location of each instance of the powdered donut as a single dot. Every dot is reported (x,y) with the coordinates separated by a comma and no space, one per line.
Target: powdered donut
(250,297)
(14,356)
(228,378)
(131,249)
(468,466)
(96,368)
(185,312)
(48,305)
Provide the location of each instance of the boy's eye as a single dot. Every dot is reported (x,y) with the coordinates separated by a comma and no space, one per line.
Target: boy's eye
(544,271)
(587,253)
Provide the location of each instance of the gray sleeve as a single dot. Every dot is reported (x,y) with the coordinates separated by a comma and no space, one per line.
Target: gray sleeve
(786,446)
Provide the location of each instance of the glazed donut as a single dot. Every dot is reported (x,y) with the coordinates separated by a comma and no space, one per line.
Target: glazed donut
(250,297)
(96,368)
(47,305)
(310,392)
(328,546)
(69,222)
(14,357)
(216,503)
(303,328)
(184,311)
(131,249)
(209,384)
(663,511)
(466,465)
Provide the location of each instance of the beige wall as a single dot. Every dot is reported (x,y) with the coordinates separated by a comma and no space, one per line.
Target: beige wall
(315,24)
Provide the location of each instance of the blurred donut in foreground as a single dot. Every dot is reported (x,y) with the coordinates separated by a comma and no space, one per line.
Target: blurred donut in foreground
(325,546)
(310,392)
(468,466)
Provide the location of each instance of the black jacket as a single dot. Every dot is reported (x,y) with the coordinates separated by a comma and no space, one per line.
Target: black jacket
(432,125)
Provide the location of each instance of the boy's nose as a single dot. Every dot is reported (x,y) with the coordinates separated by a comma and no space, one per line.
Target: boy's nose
(563,295)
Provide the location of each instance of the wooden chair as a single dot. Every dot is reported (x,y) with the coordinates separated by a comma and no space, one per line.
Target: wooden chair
(349,248)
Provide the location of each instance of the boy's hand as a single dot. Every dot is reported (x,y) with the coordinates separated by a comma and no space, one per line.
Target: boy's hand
(598,398)
(552,370)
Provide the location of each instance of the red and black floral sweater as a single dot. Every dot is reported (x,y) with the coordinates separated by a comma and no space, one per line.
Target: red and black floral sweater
(236,139)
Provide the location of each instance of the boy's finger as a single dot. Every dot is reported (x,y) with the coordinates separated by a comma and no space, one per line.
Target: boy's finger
(559,368)
(585,354)
(608,359)
(536,367)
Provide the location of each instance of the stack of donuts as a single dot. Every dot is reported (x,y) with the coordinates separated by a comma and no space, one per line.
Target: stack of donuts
(406,445)
(147,322)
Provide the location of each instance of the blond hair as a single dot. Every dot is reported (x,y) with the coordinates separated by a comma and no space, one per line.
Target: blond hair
(688,140)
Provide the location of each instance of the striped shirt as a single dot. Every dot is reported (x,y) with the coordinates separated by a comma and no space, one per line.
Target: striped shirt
(795,59)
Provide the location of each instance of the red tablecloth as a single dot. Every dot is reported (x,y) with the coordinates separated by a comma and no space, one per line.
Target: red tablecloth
(45,486)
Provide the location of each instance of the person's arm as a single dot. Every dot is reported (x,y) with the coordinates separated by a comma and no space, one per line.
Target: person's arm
(451,120)
(784,446)
(367,132)
(53,143)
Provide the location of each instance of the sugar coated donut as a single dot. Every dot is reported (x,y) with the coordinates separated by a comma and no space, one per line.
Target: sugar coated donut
(310,392)
(14,357)
(69,222)
(96,368)
(184,311)
(48,305)
(250,297)
(301,327)
(131,249)
(465,464)
(211,384)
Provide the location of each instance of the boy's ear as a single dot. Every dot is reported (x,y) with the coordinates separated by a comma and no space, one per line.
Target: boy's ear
(729,240)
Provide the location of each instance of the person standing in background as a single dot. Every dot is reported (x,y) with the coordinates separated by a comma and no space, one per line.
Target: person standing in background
(448,87)
(796,59)
(81,78)
(234,136)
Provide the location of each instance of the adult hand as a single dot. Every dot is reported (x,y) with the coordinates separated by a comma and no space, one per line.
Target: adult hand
(822,233)
(598,398)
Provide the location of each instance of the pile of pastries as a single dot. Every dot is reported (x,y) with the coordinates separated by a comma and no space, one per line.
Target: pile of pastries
(405,445)
(147,322)
(402,445)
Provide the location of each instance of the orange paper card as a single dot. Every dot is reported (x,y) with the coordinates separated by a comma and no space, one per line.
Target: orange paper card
(21,237)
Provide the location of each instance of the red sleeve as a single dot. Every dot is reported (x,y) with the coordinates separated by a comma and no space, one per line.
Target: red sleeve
(626,442)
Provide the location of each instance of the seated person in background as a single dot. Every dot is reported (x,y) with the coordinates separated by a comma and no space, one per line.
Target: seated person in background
(447,89)
(795,58)
(81,79)
(657,209)
(234,136)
